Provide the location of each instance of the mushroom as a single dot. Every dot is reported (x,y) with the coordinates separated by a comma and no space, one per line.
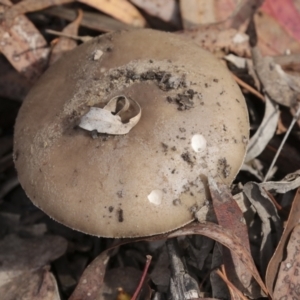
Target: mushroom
(193,124)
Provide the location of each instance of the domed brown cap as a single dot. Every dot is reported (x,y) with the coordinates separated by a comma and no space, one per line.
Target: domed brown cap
(193,124)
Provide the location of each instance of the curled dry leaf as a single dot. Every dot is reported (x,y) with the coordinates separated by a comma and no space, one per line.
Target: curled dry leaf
(226,238)
(265,132)
(287,282)
(272,270)
(288,183)
(109,119)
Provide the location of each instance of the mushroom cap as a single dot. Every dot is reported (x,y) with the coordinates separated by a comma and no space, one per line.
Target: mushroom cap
(194,124)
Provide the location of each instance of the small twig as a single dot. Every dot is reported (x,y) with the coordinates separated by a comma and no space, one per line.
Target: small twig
(296,116)
(82,39)
(248,88)
(136,293)
(222,274)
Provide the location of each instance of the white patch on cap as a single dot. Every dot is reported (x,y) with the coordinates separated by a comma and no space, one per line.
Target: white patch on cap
(155,197)
(198,143)
(97,54)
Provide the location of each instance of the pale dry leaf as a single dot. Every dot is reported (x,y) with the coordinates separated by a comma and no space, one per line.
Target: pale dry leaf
(108,119)
(24,46)
(239,62)
(10,223)
(36,285)
(279,254)
(166,10)
(66,44)
(265,132)
(288,183)
(271,223)
(21,255)
(287,282)
(274,84)
(122,10)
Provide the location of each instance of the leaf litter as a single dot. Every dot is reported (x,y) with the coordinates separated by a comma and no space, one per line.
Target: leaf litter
(258,226)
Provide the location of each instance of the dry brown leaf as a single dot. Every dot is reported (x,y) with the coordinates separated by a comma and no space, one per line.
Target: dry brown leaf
(272,38)
(236,12)
(22,255)
(286,14)
(196,12)
(36,285)
(166,10)
(273,80)
(199,12)
(120,9)
(278,256)
(287,282)
(231,217)
(265,132)
(24,47)
(92,278)
(91,20)
(65,44)
(5,2)
(213,38)
(27,6)
(226,238)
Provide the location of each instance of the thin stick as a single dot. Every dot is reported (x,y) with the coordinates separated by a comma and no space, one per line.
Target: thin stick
(82,39)
(136,293)
(230,284)
(248,87)
(296,116)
